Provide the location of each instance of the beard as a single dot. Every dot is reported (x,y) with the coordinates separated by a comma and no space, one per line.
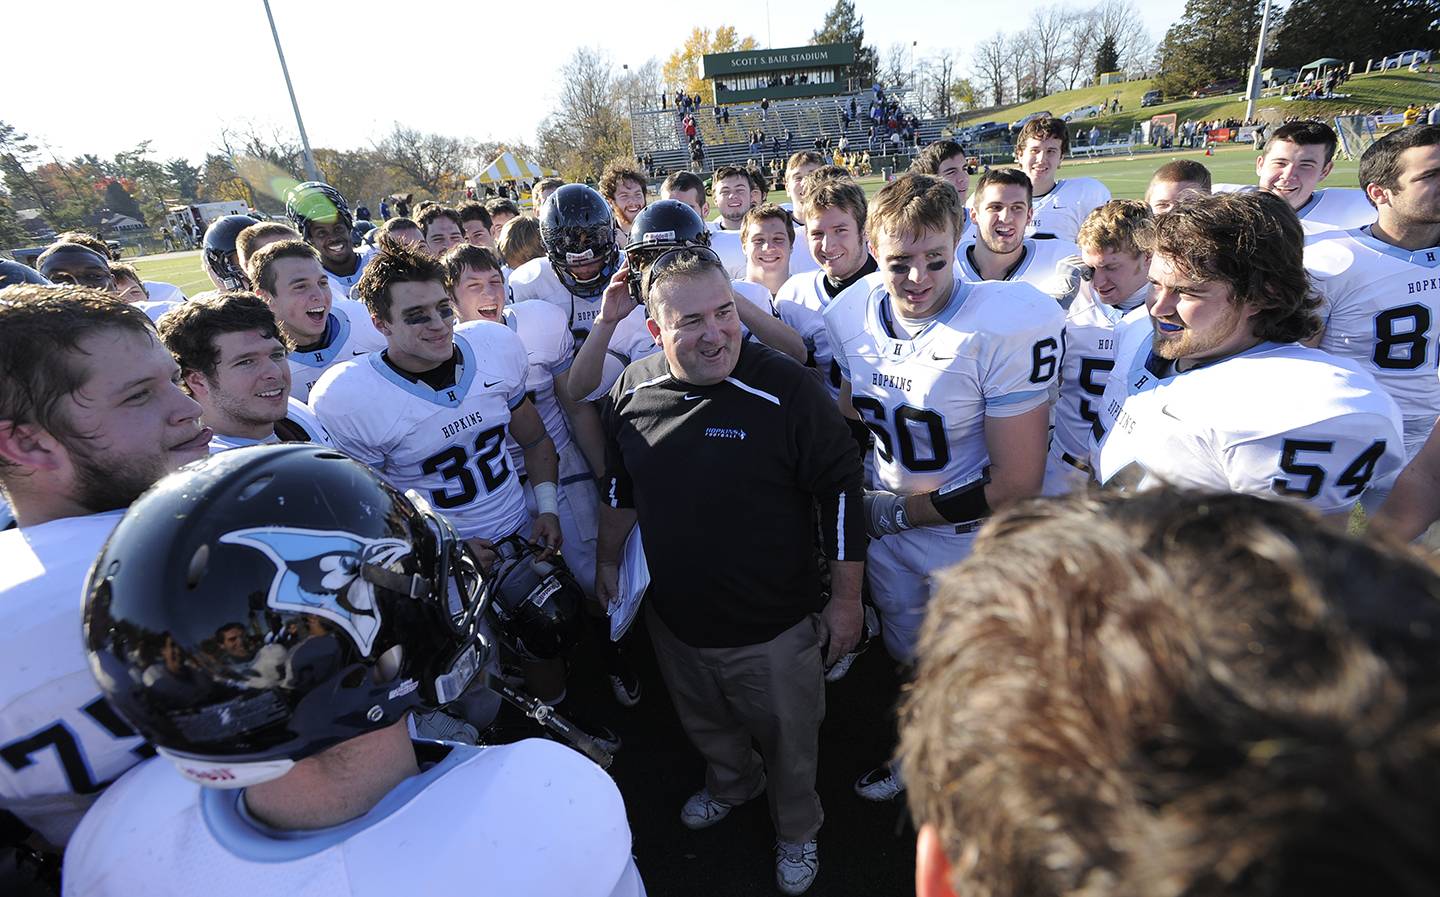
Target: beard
(1188,343)
(113,484)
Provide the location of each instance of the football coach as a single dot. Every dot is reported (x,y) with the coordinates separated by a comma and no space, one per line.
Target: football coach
(732,457)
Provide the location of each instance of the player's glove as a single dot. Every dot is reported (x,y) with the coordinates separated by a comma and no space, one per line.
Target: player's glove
(885,514)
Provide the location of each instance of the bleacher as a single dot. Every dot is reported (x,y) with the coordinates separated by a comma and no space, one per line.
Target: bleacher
(660,132)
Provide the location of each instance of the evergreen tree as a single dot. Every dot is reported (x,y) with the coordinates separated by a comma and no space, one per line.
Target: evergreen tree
(843,26)
(1352,30)
(1107,57)
(119,200)
(1213,40)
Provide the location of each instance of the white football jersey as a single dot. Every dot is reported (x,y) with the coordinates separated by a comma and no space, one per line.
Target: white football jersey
(447,444)
(550,350)
(802,259)
(344,287)
(1065,207)
(300,425)
(1047,265)
(801,303)
(348,332)
(726,244)
(153,309)
(1276,421)
(994,350)
(532,818)
(1085,368)
(159,291)
(1382,311)
(60,742)
(536,279)
(1333,208)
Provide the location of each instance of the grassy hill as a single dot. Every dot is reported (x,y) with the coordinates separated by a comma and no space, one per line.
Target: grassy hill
(1390,90)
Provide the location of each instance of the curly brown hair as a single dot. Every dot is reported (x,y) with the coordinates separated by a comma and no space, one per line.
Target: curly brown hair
(1252,242)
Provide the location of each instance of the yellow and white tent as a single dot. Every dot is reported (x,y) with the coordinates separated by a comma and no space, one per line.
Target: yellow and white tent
(510,167)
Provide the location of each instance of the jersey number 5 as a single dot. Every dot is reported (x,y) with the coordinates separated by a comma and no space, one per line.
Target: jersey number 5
(454,464)
(1308,478)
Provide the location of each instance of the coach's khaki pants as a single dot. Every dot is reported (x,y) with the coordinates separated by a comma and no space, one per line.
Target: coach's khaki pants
(774,693)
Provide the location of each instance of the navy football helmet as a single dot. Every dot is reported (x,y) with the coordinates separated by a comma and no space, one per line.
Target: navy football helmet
(577,228)
(261,605)
(532,601)
(660,227)
(316,201)
(219,256)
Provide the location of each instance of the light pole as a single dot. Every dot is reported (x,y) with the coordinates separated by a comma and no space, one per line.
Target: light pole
(311,170)
(1254,86)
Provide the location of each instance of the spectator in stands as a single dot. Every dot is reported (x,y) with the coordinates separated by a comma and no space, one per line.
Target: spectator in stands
(625,187)
(1200,694)
(475,222)
(501,210)
(520,241)
(1174,182)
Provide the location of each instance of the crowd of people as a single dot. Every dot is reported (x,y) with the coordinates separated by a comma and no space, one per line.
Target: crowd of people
(1081,466)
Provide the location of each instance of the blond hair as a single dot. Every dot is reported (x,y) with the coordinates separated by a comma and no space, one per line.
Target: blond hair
(1120,225)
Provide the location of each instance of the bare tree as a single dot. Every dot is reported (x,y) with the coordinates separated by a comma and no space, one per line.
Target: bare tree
(991,67)
(1048,27)
(586,127)
(1081,41)
(1121,21)
(434,163)
(1020,65)
(937,84)
(895,64)
(642,84)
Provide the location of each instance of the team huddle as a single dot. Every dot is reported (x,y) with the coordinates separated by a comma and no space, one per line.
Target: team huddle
(411,449)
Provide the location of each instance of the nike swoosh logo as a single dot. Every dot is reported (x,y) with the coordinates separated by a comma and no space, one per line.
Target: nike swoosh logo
(691,397)
(354,352)
(1165,410)
(935,356)
(491,383)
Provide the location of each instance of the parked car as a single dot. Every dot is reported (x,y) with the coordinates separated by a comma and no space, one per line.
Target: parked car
(990,133)
(1404,58)
(1152,98)
(1083,112)
(1027,119)
(1218,88)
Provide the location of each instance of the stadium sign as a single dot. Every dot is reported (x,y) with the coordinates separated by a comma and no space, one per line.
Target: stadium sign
(719,65)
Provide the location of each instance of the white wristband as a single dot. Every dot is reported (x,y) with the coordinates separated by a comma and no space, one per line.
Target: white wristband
(545,502)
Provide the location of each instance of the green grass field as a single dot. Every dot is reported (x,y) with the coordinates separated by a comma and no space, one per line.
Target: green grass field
(1125,176)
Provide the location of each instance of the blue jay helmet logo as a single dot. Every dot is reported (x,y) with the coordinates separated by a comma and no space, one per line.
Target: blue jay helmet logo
(318,572)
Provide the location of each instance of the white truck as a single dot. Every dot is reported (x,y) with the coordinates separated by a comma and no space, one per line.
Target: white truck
(188,223)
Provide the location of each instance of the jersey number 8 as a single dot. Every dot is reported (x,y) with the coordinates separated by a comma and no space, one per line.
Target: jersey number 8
(1406,349)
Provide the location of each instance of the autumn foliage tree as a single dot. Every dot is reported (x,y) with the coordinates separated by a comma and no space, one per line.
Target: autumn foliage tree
(682,69)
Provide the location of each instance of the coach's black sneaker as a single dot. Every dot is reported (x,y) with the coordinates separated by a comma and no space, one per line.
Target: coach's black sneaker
(881,783)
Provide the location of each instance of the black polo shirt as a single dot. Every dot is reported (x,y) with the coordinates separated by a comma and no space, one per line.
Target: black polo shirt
(731,483)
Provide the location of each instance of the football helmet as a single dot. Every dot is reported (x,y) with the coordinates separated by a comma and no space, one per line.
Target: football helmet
(533,602)
(316,201)
(219,254)
(12,273)
(261,605)
(660,227)
(577,228)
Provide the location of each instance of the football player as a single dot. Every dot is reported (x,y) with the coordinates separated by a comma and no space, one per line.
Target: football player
(1174,182)
(322,330)
(476,223)
(541,192)
(834,209)
(625,188)
(219,257)
(155,290)
(311,782)
(322,217)
(234,361)
(1117,280)
(1000,249)
(689,189)
(579,233)
(797,168)
(501,210)
(77,264)
(1211,389)
(945,159)
(767,237)
(1378,283)
(621,330)
(1297,158)
(954,379)
(733,188)
(479,288)
(1059,205)
(90,416)
(256,237)
(443,229)
(402,230)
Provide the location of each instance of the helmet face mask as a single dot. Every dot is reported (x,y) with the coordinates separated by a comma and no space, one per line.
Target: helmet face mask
(532,601)
(317,202)
(659,228)
(219,256)
(261,605)
(578,230)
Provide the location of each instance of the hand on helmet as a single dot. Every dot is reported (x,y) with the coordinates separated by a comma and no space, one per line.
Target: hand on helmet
(617,302)
(546,533)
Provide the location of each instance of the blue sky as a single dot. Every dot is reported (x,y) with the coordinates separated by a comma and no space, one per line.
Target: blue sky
(176,72)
